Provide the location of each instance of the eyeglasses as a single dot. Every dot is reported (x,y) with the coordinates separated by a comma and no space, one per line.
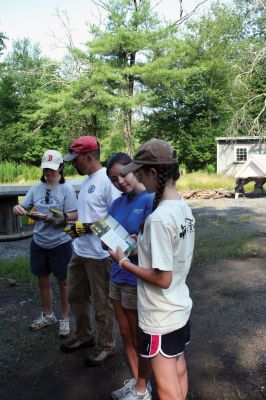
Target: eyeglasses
(47,196)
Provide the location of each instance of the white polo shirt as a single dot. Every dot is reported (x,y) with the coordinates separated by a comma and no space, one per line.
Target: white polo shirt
(96,196)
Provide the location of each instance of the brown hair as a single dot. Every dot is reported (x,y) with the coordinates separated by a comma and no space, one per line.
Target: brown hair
(60,170)
(165,173)
(96,153)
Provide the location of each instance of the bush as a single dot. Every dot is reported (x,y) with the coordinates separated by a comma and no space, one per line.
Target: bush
(11,172)
(210,169)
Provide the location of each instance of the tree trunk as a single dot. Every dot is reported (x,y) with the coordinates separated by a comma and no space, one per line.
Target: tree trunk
(94,125)
(127,130)
(128,112)
(130,60)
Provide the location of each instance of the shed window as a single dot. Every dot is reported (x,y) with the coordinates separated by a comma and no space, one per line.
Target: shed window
(241,154)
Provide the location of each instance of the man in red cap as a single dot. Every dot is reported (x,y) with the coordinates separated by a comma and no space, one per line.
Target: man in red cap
(88,270)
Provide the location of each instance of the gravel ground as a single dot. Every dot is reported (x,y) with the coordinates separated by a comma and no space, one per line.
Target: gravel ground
(222,207)
(226,356)
(15,249)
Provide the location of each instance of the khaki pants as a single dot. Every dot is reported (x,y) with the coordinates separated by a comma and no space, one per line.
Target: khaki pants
(88,283)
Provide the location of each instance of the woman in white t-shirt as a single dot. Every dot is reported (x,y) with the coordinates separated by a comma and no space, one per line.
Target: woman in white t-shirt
(165,250)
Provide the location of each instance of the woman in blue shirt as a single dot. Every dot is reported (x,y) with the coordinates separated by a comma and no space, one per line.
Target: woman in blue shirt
(130,210)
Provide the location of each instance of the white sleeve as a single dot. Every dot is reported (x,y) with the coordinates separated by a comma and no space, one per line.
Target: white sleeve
(70,199)
(161,245)
(111,193)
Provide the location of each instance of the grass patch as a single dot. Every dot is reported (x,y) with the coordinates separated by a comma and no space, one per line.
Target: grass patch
(221,239)
(18,269)
(213,248)
(203,180)
(13,173)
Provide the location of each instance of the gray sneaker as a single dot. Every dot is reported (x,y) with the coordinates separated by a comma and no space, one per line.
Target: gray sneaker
(128,386)
(43,322)
(97,357)
(120,393)
(134,395)
(64,327)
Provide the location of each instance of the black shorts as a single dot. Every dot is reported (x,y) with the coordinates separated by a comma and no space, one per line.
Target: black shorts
(169,345)
(45,261)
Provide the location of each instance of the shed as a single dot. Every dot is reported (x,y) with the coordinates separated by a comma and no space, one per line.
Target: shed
(254,167)
(233,152)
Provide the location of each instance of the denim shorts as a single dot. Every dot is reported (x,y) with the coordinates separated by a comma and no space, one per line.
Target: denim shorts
(43,262)
(125,294)
(168,345)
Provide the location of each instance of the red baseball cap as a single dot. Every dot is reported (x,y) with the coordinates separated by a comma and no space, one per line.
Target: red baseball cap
(81,145)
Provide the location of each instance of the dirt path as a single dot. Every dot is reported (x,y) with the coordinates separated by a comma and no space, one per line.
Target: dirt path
(226,356)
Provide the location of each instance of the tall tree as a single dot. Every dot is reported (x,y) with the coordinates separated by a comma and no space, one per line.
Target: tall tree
(110,87)
(249,85)
(131,29)
(193,105)
(2,42)
(24,74)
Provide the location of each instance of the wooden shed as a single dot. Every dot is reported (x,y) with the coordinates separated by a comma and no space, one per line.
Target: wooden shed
(254,167)
(233,152)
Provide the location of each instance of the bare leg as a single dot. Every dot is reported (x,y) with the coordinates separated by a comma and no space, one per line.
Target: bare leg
(127,321)
(167,380)
(144,374)
(46,293)
(182,374)
(62,283)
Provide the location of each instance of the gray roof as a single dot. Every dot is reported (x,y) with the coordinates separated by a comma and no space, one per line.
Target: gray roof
(241,138)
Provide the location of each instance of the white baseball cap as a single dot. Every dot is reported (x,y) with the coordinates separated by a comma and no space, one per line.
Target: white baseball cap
(52,159)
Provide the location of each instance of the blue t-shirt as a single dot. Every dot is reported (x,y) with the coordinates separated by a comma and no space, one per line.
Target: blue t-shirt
(130,211)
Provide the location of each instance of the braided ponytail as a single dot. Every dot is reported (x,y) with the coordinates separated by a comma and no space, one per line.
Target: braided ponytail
(162,179)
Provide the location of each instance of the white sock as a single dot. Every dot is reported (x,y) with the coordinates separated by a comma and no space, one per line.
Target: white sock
(140,393)
(49,315)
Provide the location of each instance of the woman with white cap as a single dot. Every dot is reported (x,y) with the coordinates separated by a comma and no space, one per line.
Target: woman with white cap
(54,202)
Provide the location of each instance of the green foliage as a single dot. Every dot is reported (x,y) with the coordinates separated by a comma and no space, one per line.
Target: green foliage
(2,42)
(192,105)
(139,78)
(25,74)
(11,172)
(17,269)
(203,181)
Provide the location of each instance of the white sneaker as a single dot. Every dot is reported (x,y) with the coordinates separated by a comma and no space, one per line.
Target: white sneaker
(134,395)
(64,328)
(120,393)
(43,321)
(128,387)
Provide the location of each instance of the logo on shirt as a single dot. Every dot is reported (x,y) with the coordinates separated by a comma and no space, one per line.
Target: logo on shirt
(187,228)
(138,210)
(91,188)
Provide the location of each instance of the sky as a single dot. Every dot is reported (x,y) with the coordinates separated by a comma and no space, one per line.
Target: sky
(37,20)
